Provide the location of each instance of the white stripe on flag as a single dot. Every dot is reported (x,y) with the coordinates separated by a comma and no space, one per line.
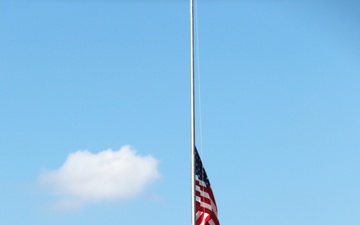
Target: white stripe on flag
(211,222)
(202,193)
(202,183)
(203,204)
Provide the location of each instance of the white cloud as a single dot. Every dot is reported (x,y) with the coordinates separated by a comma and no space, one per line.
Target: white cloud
(106,176)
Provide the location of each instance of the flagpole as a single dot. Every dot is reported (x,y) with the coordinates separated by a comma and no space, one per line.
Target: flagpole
(192,114)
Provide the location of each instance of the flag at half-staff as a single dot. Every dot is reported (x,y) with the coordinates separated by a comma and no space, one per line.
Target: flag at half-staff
(206,210)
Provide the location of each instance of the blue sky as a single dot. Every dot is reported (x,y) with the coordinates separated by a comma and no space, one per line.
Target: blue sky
(280,110)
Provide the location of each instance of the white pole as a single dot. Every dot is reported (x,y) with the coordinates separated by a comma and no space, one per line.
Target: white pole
(192,115)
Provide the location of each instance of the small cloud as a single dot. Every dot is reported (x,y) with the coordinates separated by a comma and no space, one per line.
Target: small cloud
(109,175)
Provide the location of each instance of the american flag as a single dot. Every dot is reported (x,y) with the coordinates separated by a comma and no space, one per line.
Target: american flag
(206,210)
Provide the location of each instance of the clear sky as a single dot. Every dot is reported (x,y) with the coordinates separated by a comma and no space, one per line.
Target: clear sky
(94,119)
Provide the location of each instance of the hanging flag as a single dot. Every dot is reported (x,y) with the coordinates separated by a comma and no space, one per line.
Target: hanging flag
(206,210)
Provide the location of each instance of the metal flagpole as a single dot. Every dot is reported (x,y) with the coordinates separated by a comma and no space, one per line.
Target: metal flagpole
(192,115)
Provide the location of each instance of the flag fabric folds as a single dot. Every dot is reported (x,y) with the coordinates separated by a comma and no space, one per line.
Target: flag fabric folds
(206,209)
